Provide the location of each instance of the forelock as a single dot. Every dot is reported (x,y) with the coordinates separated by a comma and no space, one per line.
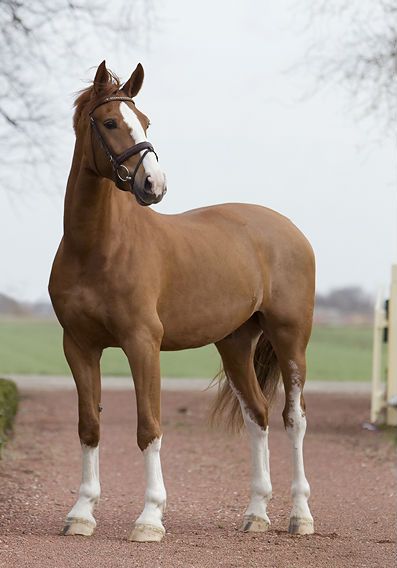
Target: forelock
(88,95)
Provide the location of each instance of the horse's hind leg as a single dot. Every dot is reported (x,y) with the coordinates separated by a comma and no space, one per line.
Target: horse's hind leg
(237,352)
(84,365)
(290,345)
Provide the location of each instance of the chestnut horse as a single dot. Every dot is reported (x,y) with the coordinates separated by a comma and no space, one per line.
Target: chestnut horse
(239,276)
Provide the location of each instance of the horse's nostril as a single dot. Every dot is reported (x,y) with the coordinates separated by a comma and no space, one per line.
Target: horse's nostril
(148,184)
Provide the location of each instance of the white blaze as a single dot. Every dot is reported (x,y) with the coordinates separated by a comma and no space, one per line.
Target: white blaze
(149,163)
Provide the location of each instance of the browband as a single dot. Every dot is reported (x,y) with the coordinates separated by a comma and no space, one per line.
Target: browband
(109,100)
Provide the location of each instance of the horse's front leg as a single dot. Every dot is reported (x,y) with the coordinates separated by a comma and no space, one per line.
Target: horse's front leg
(84,364)
(143,352)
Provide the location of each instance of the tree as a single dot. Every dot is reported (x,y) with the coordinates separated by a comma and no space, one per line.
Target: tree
(40,41)
(350,299)
(355,44)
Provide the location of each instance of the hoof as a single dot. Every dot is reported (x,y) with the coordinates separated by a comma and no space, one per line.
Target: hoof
(252,523)
(300,526)
(146,533)
(78,527)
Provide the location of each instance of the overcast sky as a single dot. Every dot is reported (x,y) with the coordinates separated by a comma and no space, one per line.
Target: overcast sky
(229,124)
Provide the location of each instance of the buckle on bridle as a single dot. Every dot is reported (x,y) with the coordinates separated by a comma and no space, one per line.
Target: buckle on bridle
(127,176)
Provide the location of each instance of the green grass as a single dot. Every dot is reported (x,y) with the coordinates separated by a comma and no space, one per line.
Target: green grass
(340,353)
(35,347)
(8,409)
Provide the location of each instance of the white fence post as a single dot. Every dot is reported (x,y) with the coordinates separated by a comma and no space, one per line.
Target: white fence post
(392,350)
(378,391)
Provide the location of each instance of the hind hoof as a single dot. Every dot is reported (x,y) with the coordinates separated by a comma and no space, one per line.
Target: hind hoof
(146,533)
(300,526)
(78,527)
(252,523)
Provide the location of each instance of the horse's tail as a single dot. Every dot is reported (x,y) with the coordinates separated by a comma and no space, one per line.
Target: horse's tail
(268,374)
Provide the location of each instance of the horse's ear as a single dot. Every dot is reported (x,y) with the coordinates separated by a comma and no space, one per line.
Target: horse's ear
(134,83)
(102,78)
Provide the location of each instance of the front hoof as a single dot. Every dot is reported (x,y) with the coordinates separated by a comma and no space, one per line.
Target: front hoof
(146,533)
(81,527)
(252,523)
(300,526)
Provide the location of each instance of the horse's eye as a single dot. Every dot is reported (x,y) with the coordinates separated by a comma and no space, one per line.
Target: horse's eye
(110,123)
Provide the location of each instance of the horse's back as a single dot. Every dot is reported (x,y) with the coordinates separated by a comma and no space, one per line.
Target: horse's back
(227,262)
(261,233)
(254,220)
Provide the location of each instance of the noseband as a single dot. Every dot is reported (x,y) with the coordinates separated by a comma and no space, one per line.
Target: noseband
(121,172)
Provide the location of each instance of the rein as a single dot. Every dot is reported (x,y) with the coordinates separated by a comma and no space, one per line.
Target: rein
(117,160)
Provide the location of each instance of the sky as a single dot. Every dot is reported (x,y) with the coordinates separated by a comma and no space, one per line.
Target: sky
(225,91)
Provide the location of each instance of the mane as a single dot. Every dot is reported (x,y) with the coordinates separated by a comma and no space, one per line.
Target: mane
(88,95)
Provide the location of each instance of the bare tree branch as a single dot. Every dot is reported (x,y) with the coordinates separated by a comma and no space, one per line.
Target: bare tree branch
(39,40)
(355,44)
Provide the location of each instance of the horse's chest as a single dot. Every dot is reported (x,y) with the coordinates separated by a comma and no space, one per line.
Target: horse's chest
(78,302)
(82,304)
(91,297)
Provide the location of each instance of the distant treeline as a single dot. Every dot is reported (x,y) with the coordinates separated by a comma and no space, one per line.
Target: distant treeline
(351,299)
(348,300)
(11,307)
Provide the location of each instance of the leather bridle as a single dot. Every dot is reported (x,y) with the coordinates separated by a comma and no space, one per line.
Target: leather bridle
(117,160)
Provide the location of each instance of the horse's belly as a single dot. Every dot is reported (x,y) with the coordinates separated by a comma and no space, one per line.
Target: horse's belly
(206,323)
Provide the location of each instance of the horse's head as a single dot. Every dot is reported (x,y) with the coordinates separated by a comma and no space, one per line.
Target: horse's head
(117,145)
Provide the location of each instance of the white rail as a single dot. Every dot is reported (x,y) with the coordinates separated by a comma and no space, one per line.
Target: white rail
(391,418)
(378,396)
(384,377)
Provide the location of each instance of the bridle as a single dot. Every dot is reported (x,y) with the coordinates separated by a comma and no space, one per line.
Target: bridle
(117,160)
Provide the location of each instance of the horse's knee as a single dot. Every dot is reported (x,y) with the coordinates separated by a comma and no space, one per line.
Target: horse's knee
(147,432)
(255,414)
(254,410)
(89,431)
(261,416)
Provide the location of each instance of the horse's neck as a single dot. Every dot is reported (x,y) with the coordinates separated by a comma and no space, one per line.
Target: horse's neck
(94,209)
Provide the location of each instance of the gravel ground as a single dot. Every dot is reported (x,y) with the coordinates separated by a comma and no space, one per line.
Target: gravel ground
(351,472)
(54,382)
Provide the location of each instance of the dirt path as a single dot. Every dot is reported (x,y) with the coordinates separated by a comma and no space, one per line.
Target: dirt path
(54,382)
(351,472)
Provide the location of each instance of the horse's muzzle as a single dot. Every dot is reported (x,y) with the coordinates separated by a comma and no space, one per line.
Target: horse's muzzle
(146,198)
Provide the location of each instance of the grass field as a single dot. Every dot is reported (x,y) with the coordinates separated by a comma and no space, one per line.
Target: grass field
(35,347)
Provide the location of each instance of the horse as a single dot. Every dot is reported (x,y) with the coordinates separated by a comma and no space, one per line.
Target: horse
(237,275)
